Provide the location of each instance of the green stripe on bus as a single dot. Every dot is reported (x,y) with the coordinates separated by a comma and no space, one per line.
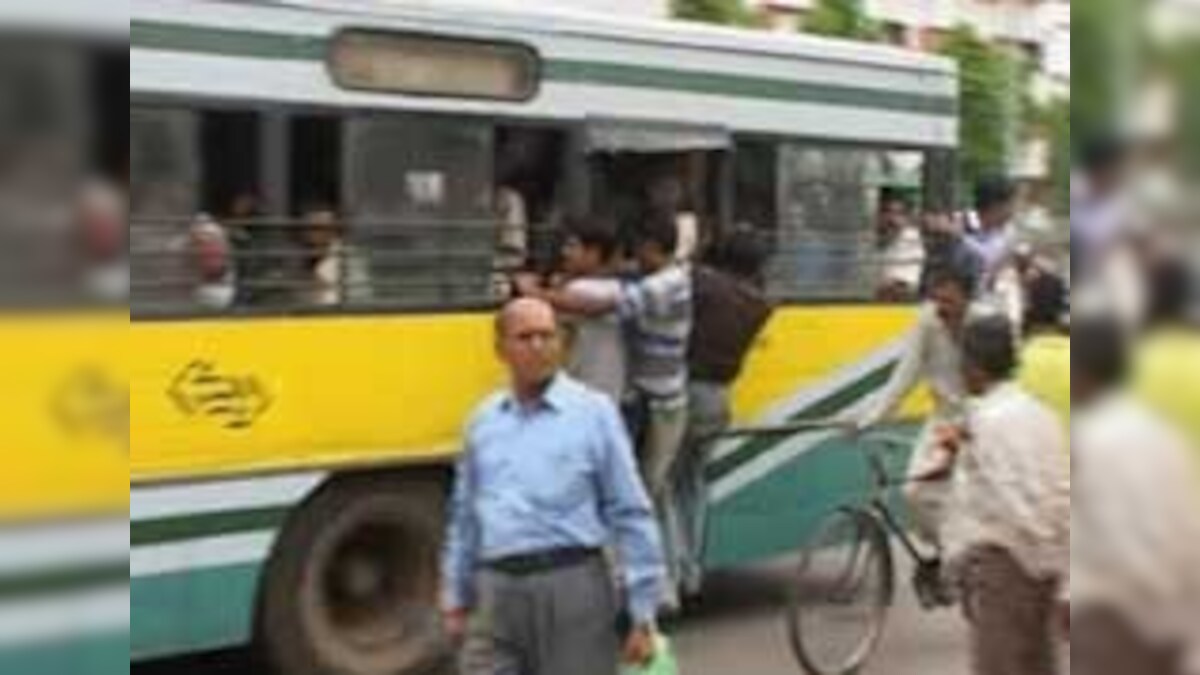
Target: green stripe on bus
(265,45)
(39,584)
(226,42)
(773,89)
(821,410)
(191,527)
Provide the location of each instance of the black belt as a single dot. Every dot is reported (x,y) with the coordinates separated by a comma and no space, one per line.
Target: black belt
(543,561)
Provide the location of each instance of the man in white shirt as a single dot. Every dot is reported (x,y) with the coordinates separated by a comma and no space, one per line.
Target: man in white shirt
(1007,533)
(901,250)
(933,356)
(1134,594)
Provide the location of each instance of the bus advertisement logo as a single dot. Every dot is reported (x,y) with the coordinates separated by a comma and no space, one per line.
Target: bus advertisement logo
(235,402)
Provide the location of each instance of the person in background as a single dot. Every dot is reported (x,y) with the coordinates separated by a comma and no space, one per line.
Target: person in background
(667,197)
(932,355)
(991,238)
(1007,533)
(103,218)
(212,264)
(730,311)
(1101,206)
(512,238)
(548,479)
(1044,292)
(901,249)
(946,249)
(1133,604)
(337,272)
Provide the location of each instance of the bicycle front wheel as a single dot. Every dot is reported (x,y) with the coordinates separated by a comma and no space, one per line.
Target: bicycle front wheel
(840,598)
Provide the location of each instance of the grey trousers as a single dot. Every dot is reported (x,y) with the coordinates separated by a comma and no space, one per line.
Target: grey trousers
(1104,643)
(709,414)
(557,623)
(1011,616)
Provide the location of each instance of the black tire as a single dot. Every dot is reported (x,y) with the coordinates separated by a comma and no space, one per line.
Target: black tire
(351,588)
(840,598)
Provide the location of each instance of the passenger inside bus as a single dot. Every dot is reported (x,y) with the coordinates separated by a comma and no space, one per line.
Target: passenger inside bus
(335,270)
(899,247)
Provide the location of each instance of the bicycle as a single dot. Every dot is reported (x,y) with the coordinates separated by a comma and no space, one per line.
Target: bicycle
(846,579)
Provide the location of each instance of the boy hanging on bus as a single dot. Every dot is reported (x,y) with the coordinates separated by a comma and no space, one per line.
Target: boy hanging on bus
(730,312)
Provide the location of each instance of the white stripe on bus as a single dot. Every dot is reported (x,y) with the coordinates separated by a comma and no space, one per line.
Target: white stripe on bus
(60,618)
(46,548)
(166,559)
(168,501)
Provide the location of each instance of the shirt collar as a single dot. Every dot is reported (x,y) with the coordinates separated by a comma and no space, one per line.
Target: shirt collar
(553,399)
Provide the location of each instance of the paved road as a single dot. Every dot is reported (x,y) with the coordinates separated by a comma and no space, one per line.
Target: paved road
(738,630)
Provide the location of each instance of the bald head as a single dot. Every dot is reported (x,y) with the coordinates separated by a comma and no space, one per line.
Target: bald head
(523,310)
(527,340)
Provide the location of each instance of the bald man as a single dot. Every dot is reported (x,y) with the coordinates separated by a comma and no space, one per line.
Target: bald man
(547,481)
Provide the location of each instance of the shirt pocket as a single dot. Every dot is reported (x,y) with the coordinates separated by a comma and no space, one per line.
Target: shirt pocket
(563,483)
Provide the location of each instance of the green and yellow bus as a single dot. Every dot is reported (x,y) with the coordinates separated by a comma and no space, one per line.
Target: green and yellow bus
(288,451)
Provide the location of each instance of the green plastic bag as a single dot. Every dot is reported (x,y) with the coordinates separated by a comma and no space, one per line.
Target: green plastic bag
(664,661)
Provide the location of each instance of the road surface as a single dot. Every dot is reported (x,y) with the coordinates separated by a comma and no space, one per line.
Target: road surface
(737,630)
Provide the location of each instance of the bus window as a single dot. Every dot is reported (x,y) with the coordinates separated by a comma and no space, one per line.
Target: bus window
(42,132)
(164,196)
(419,197)
(229,143)
(315,167)
(755,167)
(530,189)
(665,168)
(333,269)
(164,163)
(110,96)
(824,231)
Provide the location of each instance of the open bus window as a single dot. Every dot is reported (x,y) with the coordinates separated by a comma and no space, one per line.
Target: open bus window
(755,184)
(315,166)
(110,96)
(230,142)
(530,177)
(684,185)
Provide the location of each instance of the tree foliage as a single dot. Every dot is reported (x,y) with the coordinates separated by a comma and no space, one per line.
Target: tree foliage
(841,18)
(991,104)
(724,12)
(1057,126)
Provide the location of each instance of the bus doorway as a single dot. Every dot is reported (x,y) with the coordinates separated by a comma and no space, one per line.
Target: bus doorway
(648,169)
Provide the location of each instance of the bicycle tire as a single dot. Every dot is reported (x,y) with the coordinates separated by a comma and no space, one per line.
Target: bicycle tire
(848,562)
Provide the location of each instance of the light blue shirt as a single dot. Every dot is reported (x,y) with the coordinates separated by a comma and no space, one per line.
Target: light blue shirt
(559,474)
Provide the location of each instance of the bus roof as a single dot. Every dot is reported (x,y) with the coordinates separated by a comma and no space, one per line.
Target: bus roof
(592,67)
(514,15)
(86,18)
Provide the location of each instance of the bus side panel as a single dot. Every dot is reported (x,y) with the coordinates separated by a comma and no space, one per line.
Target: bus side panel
(65,401)
(813,363)
(227,397)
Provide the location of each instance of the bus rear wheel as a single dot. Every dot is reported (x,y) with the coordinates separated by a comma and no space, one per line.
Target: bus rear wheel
(352,586)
